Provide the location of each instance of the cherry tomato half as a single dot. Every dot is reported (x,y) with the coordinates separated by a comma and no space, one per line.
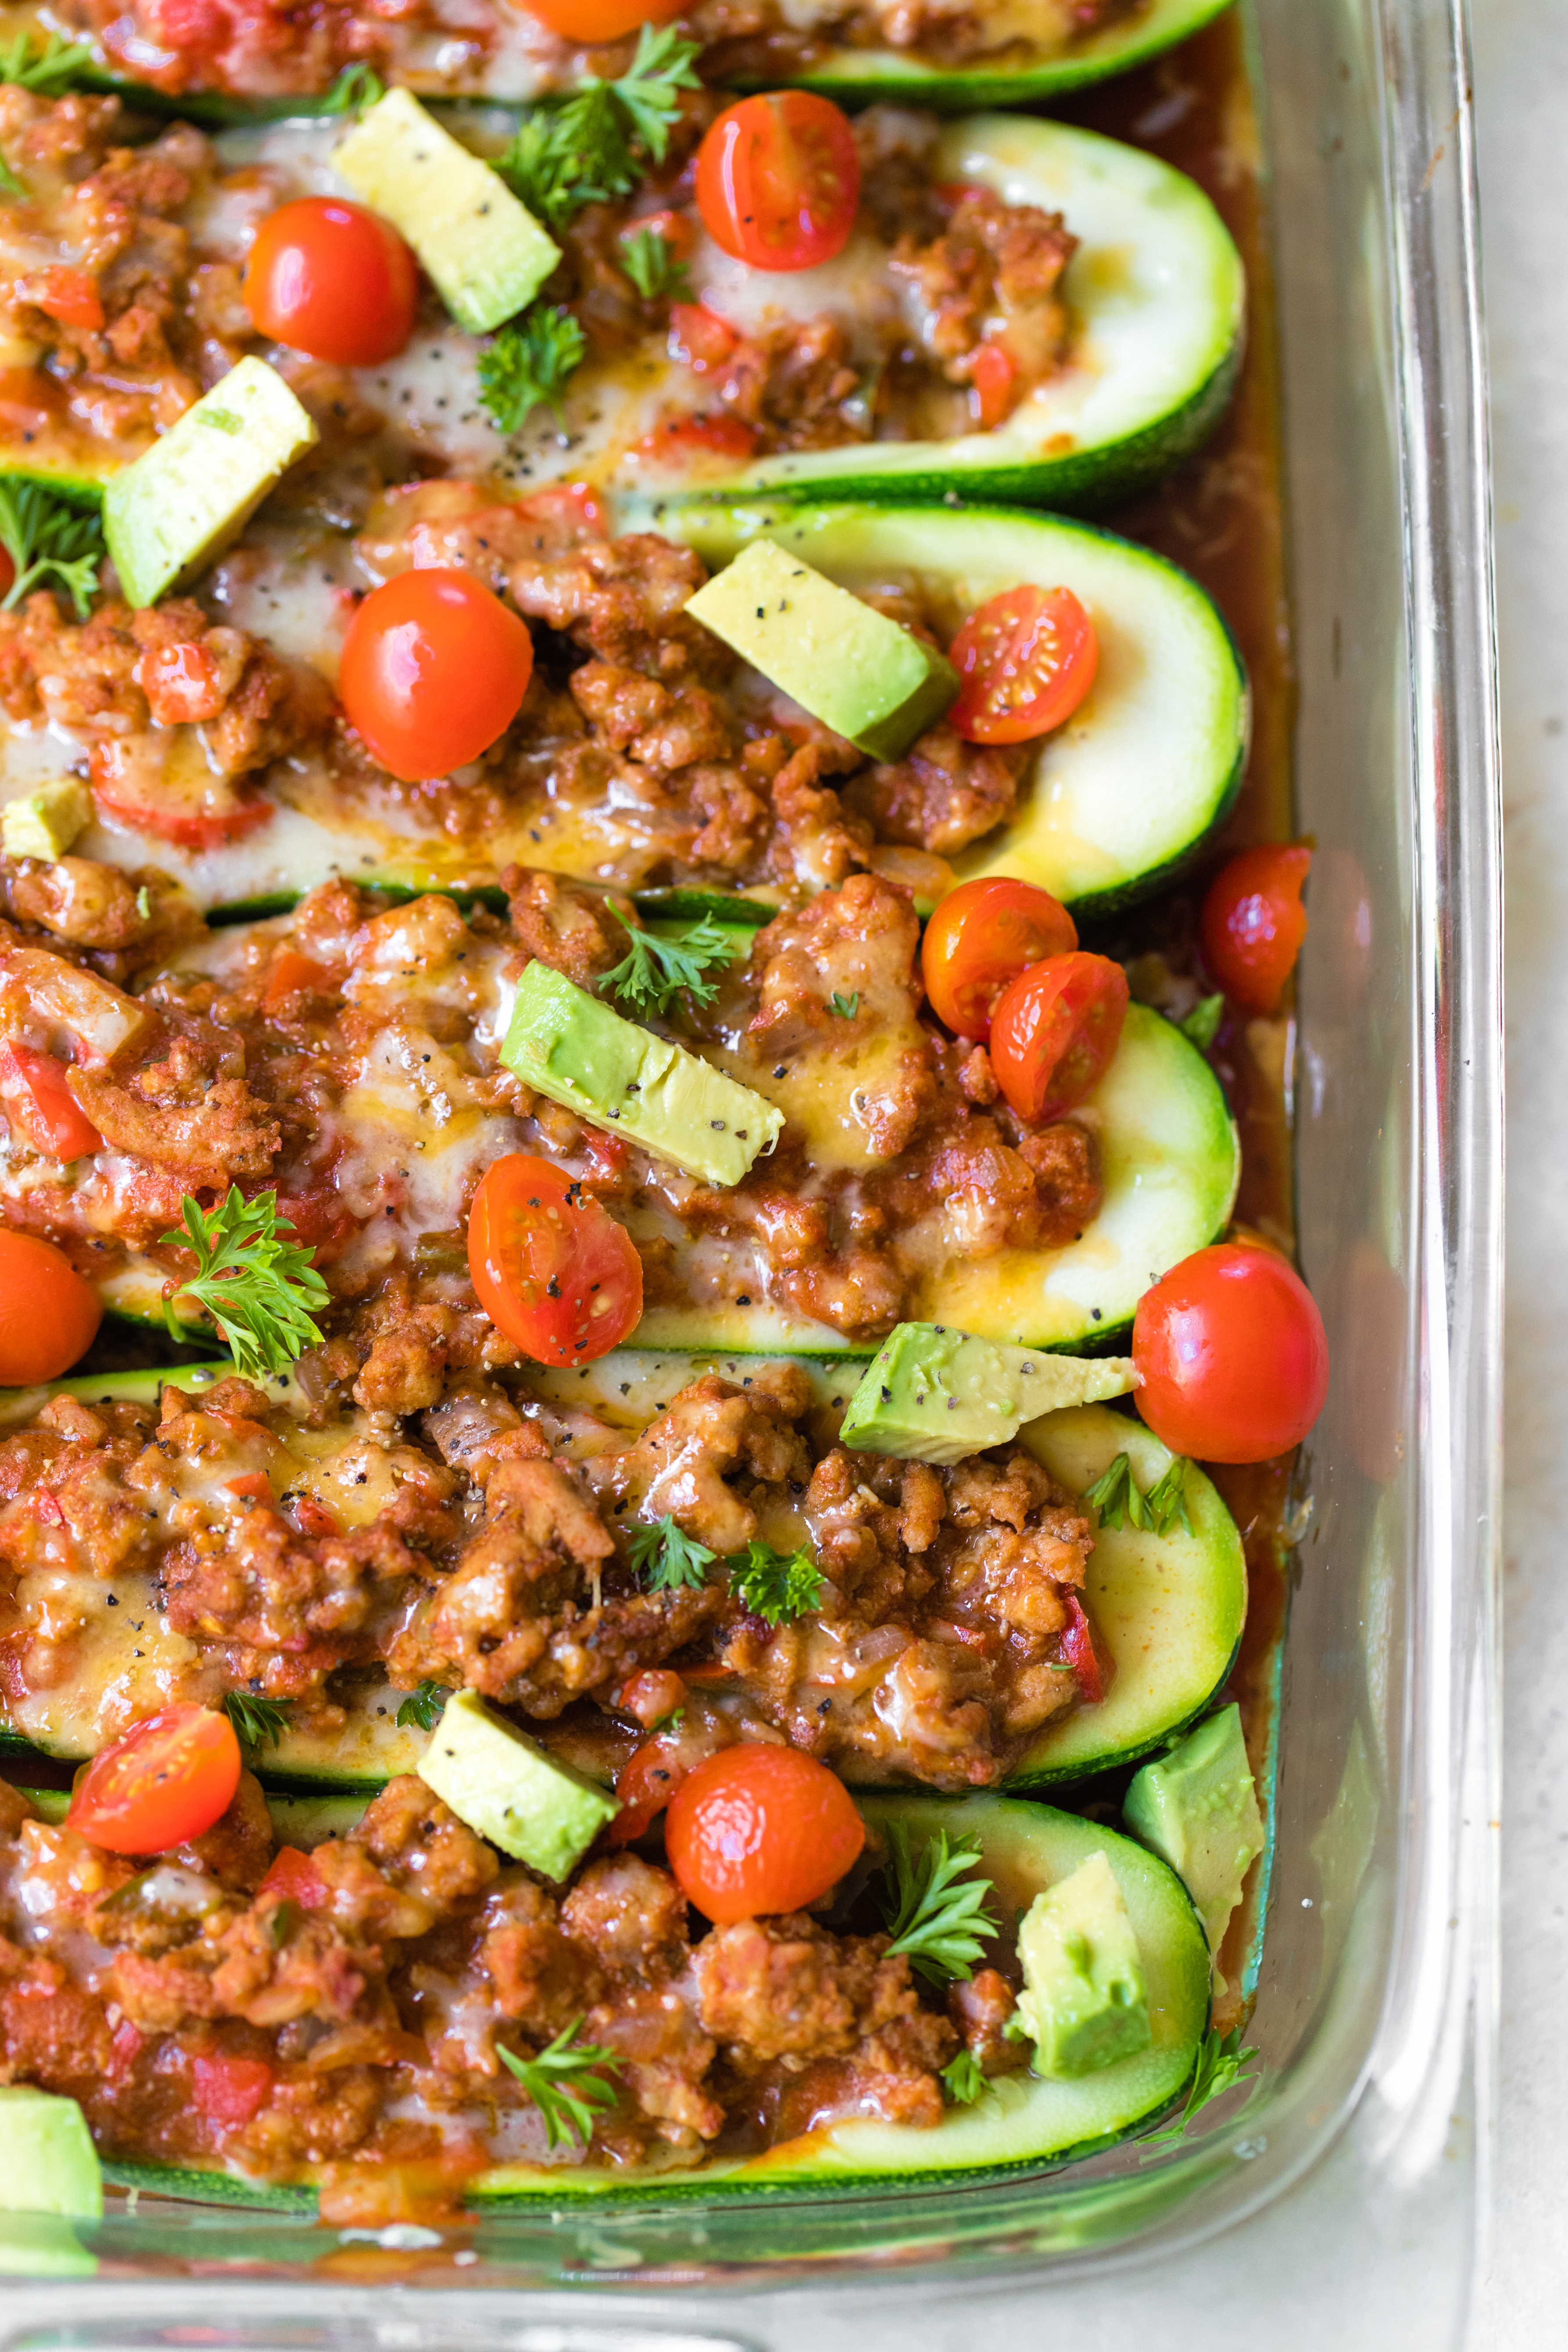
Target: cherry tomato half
(166,1781)
(435,667)
(758,1829)
(1054,1032)
(551,1267)
(778,180)
(1231,1355)
(1026,659)
(600,20)
(48,1315)
(41,1106)
(331,278)
(1254,923)
(982,935)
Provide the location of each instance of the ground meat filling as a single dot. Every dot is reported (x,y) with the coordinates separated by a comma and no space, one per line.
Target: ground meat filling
(488,1546)
(345,2013)
(762,41)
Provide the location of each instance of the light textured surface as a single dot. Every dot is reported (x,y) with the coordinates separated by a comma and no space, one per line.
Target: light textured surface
(1522,86)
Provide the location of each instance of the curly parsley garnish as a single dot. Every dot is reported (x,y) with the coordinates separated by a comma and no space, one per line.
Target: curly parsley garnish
(1118,1497)
(261,1290)
(667,1557)
(654,969)
(591,148)
(421,1710)
(258,1722)
(43,535)
(962,2081)
(566,2083)
(649,260)
(775,1585)
(939,1923)
(524,366)
(1222,2062)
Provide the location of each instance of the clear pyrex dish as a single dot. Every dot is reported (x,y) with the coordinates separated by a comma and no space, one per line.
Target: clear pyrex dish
(1342,2193)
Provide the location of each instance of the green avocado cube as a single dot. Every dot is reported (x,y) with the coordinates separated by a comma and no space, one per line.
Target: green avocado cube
(1197,1809)
(861,674)
(192,493)
(567,1045)
(933,1394)
(509,1789)
(45,823)
(48,2161)
(1085,2003)
(485,252)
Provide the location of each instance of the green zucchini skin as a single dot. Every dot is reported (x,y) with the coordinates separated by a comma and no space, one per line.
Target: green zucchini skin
(1024,2125)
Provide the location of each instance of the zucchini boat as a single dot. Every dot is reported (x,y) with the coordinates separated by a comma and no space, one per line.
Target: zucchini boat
(1134,352)
(1166,1610)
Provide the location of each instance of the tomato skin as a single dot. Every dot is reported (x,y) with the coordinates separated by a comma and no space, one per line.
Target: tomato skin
(230,2090)
(600,20)
(982,936)
(334,280)
(291,974)
(992,383)
(552,1269)
(757,1829)
(293,1877)
(1026,658)
(434,669)
(166,1781)
(48,1315)
(778,180)
(1253,924)
(1054,1033)
(673,446)
(1232,1358)
(1078,1649)
(41,1106)
(68,295)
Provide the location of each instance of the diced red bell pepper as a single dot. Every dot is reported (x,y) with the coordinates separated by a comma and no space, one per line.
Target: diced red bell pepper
(993,379)
(231,2090)
(41,1106)
(1078,1649)
(294,1878)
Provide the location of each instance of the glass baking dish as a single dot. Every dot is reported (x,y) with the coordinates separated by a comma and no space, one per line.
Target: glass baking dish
(1345,2189)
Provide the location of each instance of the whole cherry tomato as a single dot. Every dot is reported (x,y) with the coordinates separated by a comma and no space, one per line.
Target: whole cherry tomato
(1054,1032)
(1231,1355)
(41,1106)
(166,1781)
(48,1315)
(757,1829)
(1026,659)
(552,1269)
(982,935)
(600,20)
(434,669)
(331,278)
(1254,923)
(778,180)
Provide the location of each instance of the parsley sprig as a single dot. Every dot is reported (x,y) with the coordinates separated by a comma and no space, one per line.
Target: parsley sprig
(667,1557)
(774,1585)
(43,535)
(654,969)
(1222,2062)
(258,1722)
(649,259)
(524,366)
(963,2080)
(421,1710)
(591,148)
(566,2083)
(261,1290)
(1120,1500)
(935,1912)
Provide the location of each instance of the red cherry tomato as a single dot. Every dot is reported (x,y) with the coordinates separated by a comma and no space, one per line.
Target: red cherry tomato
(778,180)
(41,1106)
(331,278)
(552,1269)
(600,20)
(434,670)
(982,936)
(1254,924)
(166,1781)
(1054,1032)
(48,1315)
(758,1829)
(1026,659)
(1231,1354)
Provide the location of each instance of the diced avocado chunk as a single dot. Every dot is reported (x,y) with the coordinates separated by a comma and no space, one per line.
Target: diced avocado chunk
(1197,1809)
(932,1394)
(506,1786)
(46,823)
(1085,2003)
(486,253)
(851,666)
(192,493)
(48,2161)
(568,1045)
